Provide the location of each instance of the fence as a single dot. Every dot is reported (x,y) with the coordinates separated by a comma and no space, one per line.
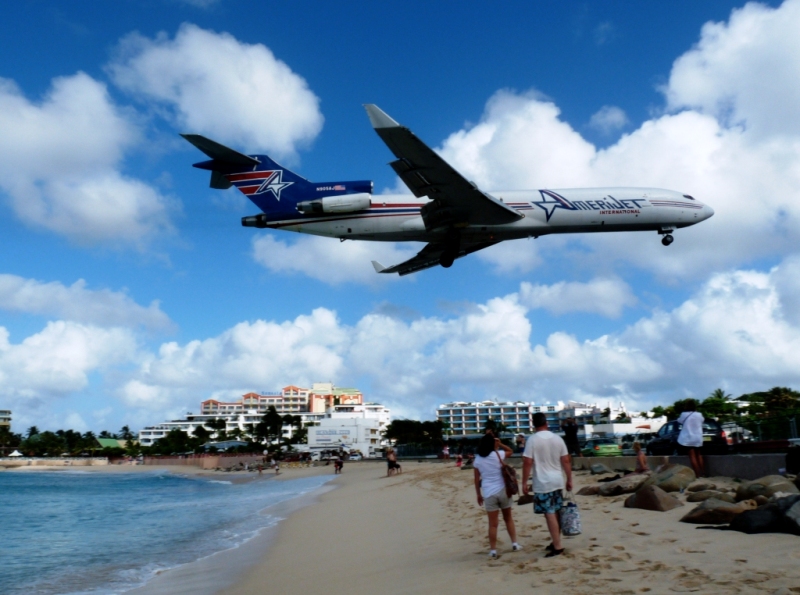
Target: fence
(206,460)
(772,428)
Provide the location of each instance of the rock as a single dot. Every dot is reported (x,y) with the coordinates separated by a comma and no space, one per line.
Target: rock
(588,491)
(701,487)
(672,478)
(765,486)
(607,479)
(717,512)
(792,517)
(776,517)
(599,469)
(706,494)
(651,497)
(624,485)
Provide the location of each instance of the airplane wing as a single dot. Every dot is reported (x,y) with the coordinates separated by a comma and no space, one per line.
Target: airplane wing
(429,257)
(457,200)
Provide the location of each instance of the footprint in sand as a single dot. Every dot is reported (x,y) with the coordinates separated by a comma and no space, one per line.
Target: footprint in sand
(619,547)
(641,533)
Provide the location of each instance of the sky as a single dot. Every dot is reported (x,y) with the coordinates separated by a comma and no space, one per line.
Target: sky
(129,292)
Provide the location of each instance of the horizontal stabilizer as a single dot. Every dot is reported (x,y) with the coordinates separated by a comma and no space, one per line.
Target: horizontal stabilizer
(219,181)
(219,152)
(379,268)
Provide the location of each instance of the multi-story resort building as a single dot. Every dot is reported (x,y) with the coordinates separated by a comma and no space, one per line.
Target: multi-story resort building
(465,419)
(470,418)
(340,413)
(5,418)
(290,399)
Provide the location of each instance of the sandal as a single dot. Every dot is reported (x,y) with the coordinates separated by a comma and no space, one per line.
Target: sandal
(554,552)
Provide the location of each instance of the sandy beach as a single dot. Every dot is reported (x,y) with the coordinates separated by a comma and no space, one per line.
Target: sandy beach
(423,532)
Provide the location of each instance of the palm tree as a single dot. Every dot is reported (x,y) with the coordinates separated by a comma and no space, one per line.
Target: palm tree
(32,431)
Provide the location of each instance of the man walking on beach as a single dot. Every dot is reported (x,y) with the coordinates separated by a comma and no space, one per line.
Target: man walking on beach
(546,454)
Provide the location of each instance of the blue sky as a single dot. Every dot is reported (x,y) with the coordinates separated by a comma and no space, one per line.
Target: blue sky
(129,292)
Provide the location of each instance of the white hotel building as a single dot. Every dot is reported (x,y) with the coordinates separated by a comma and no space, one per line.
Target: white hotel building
(339,413)
(470,418)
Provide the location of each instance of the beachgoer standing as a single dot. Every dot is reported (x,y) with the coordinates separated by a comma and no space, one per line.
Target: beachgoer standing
(491,489)
(690,440)
(570,429)
(391,463)
(337,465)
(445,452)
(546,455)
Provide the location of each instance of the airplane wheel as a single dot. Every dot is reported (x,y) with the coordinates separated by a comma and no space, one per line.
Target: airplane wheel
(447,259)
(667,239)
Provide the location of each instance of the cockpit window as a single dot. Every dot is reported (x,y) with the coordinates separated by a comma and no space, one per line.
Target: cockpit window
(689,197)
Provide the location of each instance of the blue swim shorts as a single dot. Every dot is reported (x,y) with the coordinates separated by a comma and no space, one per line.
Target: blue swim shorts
(550,502)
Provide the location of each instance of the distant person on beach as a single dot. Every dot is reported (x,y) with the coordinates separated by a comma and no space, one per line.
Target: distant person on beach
(337,465)
(690,440)
(641,459)
(546,455)
(393,466)
(491,489)
(277,466)
(446,452)
(570,429)
(520,442)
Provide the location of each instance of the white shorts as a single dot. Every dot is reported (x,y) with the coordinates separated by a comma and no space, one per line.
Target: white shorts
(497,501)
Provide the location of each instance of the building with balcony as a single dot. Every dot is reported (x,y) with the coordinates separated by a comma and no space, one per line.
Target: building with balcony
(470,418)
(289,400)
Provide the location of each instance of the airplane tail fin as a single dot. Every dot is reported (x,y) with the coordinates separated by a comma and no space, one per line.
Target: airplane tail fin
(277,191)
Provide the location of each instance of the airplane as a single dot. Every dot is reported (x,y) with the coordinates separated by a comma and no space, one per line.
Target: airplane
(447,211)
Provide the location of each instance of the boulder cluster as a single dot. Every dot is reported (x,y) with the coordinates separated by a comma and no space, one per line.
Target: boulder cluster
(770,504)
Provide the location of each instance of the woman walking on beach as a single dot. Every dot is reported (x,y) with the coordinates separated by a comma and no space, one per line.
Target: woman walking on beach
(491,489)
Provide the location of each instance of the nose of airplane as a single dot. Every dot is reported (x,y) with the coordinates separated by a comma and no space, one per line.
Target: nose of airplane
(707,212)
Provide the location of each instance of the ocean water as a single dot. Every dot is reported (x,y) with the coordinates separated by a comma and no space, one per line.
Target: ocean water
(81,533)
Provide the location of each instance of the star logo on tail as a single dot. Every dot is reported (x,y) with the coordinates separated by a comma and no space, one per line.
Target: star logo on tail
(552,201)
(274,183)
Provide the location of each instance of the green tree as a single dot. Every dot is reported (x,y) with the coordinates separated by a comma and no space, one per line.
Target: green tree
(718,405)
(32,431)
(126,435)
(218,425)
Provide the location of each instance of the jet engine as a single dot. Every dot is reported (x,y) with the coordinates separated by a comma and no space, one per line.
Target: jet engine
(345,203)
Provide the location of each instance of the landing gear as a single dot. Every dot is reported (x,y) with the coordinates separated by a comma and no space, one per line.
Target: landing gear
(453,245)
(447,258)
(667,239)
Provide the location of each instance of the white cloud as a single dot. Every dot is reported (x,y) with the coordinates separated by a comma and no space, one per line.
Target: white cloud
(607,297)
(745,71)
(331,261)
(78,304)
(608,119)
(58,161)
(211,83)
(733,331)
(58,360)
(249,356)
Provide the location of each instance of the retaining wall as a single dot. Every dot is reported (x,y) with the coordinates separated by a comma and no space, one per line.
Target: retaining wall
(741,466)
(9,462)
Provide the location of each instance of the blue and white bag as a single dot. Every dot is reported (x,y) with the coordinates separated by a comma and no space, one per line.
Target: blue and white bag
(570,517)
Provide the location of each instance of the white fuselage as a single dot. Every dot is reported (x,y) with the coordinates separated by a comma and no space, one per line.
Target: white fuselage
(397,217)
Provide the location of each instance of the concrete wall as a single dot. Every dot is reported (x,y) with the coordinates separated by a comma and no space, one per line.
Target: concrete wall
(741,466)
(206,461)
(10,462)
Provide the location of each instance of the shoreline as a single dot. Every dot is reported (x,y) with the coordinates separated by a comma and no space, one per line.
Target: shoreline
(213,573)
